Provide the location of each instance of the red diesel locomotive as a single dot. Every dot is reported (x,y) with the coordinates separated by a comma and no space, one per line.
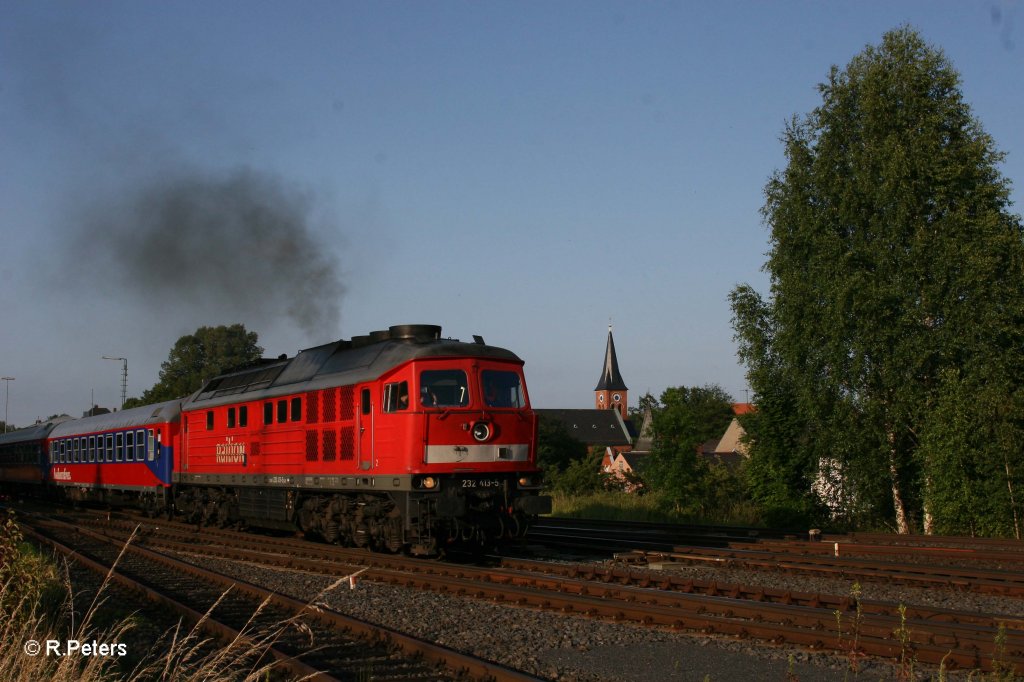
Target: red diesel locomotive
(399,440)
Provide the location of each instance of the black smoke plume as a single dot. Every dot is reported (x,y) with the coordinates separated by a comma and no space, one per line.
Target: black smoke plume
(214,249)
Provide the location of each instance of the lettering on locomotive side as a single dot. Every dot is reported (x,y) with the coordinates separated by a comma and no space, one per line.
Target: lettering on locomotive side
(230,452)
(62,474)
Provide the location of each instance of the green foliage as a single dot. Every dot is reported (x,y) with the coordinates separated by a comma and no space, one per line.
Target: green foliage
(197,358)
(556,448)
(653,507)
(568,466)
(583,475)
(28,583)
(969,450)
(894,259)
(686,418)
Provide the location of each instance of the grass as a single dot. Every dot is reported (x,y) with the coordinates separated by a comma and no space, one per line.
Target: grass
(38,605)
(652,507)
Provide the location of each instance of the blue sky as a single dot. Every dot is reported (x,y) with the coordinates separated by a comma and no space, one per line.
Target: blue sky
(525,171)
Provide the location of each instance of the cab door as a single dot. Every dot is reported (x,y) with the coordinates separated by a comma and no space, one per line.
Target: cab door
(364,422)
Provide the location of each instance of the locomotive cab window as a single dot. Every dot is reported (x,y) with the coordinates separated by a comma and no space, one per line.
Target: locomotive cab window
(396,396)
(296,409)
(444,388)
(502,389)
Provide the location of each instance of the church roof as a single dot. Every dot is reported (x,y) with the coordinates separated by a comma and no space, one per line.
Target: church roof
(590,427)
(611,380)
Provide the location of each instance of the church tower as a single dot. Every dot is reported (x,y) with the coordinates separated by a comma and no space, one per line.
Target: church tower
(611,391)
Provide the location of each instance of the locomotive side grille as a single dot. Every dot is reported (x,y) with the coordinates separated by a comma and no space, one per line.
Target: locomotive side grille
(330,405)
(330,449)
(313,410)
(348,404)
(311,441)
(348,443)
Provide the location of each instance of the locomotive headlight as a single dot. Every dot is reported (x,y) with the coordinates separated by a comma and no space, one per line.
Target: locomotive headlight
(428,482)
(526,481)
(482,431)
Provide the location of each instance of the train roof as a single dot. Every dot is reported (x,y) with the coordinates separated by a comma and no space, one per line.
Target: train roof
(146,415)
(29,433)
(342,363)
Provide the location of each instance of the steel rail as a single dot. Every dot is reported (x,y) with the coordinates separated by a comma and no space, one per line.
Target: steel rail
(205,622)
(1005,583)
(965,644)
(457,662)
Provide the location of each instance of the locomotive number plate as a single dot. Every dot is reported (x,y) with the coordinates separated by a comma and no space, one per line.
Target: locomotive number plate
(481,483)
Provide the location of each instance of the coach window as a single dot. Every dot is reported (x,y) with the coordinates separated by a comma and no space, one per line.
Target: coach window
(296,409)
(119,453)
(396,396)
(243,416)
(129,446)
(86,452)
(53,452)
(268,413)
(151,446)
(73,446)
(110,446)
(231,417)
(140,445)
(97,455)
(282,411)
(209,420)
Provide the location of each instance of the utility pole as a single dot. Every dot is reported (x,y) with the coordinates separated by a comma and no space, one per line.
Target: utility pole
(124,377)
(7,402)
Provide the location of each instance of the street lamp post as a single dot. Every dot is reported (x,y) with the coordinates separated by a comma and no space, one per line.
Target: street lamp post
(124,377)
(7,401)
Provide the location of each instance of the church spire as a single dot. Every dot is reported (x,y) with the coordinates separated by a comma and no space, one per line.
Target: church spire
(611,380)
(611,390)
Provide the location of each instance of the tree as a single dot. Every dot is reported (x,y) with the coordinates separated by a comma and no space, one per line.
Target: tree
(197,358)
(556,448)
(687,418)
(893,260)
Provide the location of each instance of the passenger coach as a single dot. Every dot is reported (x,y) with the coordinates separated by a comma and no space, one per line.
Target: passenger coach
(117,458)
(23,457)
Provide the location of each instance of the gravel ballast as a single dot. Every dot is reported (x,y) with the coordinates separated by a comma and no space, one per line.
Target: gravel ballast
(565,647)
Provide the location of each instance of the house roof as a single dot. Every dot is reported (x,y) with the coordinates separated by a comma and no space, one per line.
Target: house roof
(634,460)
(742,408)
(591,427)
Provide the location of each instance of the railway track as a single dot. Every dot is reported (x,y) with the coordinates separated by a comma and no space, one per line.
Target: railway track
(815,621)
(306,640)
(606,537)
